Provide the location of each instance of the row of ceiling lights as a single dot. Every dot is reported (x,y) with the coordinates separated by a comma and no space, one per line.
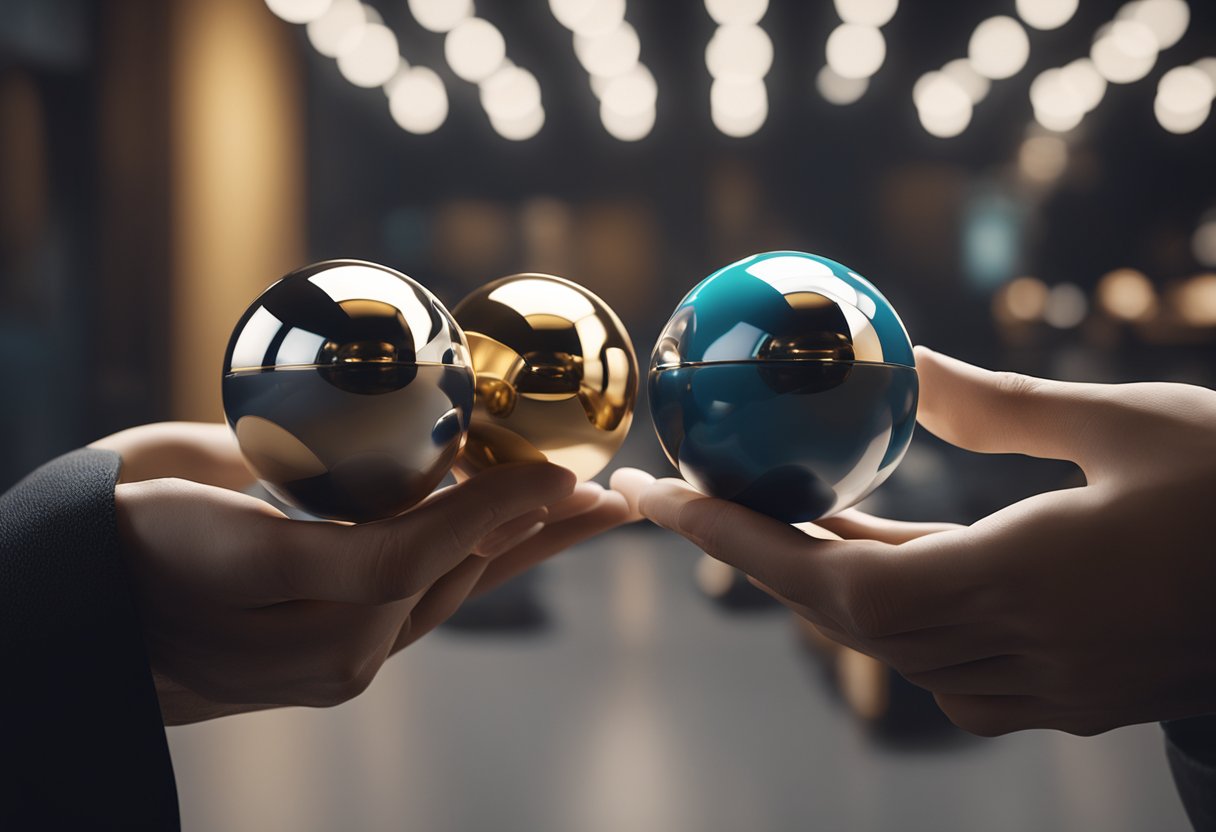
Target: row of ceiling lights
(739,56)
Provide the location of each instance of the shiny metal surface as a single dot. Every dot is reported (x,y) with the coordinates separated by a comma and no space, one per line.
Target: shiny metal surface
(783,305)
(349,388)
(556,372)
(785,382)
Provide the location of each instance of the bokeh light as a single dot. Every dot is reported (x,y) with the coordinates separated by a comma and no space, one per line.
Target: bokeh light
(298,11)
(1195,300)
(741,126)
(631,93)
(725,12)
(1203,241)
(628,127)
(511,93)
(519,128)
(1024,299)
(1046,14)
(440,15)
(867,12)
(474,49)
(1167,20)
(1184,99)
(368,56)
(1124,51)
(998,47)
(942,104)
(963,73)
(609,54)
(329,32)
(599,17)
(836,89)
(418,100)
(1127,294)
(742,51)
(855,51)
(1066,307)
(1043,159)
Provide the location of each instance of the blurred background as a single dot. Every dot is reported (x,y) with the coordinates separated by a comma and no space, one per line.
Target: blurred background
(1031,184)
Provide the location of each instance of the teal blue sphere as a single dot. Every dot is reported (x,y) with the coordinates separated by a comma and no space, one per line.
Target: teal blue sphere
(786,383)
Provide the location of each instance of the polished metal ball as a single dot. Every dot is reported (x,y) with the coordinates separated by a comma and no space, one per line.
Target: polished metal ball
(556,372)
(349,388)
(784,382)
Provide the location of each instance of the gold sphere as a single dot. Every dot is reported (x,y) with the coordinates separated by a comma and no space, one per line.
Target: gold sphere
(557,376)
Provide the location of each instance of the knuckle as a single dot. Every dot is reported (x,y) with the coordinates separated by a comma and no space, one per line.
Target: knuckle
(1015,385)
(346,678)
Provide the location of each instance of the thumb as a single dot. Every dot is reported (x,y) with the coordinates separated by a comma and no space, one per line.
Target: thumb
(1000,412)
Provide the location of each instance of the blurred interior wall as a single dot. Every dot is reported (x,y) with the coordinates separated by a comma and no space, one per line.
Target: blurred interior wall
(238,189)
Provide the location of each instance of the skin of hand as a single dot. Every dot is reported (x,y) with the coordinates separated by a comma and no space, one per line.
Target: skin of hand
(1079,610)
(244,609)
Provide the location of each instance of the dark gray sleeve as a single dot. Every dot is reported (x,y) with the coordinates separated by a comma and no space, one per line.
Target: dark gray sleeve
(82,743)
(1190,745)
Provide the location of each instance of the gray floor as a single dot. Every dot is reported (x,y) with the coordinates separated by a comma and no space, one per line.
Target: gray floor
(642,707)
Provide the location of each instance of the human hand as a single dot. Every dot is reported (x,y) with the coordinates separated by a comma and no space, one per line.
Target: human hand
(245,609)
(1080,610)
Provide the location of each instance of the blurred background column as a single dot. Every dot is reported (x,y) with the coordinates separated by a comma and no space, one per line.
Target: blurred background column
(238,209)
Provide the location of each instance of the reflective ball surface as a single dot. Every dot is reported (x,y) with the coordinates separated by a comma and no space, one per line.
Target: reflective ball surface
(349,388)
(556,372)
(784,382)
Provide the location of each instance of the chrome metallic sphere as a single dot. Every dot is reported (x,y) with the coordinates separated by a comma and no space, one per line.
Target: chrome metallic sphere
(556,375)
(349,388)
(784,382)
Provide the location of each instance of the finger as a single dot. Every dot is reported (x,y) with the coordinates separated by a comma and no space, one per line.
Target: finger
(392,559)
(1007,675)
(631,483)
(795,565)
(610,511)
(440,602)
(992,716)
(512,533)
(202,452)
(585,497)
(853,524)
(994,412)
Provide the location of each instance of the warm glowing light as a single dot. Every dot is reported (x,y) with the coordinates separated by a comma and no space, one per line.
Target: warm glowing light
(510,93)
(1066,306)
(1046,14)
(630,94)
(738,99)
(1180,123)
(855,51)
(519,128)
(1127,294)
(742,51)
(369,57)
(1057,105)
(1208,67)
(609,54)
(418,100)
(963,73)
(329,32)
(1185,89)
(1083,79)
(1195,300)
(1203,242)
(1166,19)
(298,11)
(440,15)
(726,12)
(474,49)
(740,126)
(1042,159)
(838,90)
(867,12)
(943,106)
(998,47)
(1025,298)
(1124,51)
(599,18)
(628,127)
